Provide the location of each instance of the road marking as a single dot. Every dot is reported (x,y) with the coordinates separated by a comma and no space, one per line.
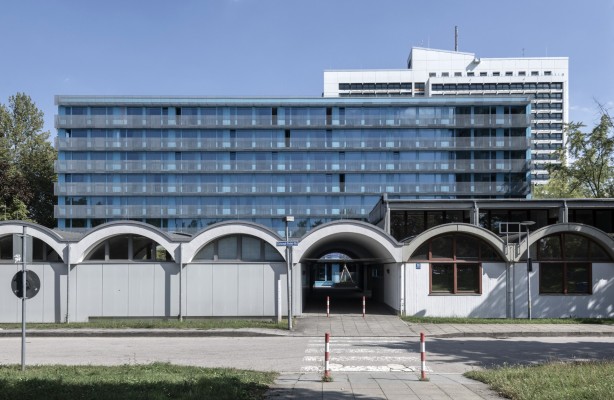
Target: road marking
(362,355)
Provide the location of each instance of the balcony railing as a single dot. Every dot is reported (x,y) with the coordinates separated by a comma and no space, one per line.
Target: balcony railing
(302,166)
(295,144)
(131,121)
(204,211)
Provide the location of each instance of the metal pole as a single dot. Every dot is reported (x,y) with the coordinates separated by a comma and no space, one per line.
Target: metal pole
(289,277)
(23,300)
(528,275)
(180,290)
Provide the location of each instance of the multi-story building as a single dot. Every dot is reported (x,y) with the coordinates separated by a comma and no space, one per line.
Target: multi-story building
(182,163)
(433,73)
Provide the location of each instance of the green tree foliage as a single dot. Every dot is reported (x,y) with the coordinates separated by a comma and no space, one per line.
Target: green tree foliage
(26,163)
(590,173)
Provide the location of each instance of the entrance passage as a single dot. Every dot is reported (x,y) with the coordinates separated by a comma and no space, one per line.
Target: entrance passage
(344,280)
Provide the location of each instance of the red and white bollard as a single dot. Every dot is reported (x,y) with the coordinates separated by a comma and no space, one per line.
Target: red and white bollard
(327,356)
(422,357)
(363,306)
(327,306)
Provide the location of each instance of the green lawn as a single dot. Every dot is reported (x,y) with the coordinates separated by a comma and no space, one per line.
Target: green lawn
(153,381)
(553,381)
(437,320)
(157,324)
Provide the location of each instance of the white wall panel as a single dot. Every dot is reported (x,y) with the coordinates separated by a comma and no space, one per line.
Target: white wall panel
(250,289)
(115,290)
(391,286)
(225,289)
(88,287)
(10,306)
(166,295)
(490,304)
(199,284)
(598,305)
(141,289)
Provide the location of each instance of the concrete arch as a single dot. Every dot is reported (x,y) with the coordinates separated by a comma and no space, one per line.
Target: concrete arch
(48,236)
(79,250)
(191,248)
(489,237)
(599,236)
(372,241)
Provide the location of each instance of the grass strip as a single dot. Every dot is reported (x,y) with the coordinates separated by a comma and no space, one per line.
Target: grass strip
(203,324)
(135,382)
(551,381)
(443,320)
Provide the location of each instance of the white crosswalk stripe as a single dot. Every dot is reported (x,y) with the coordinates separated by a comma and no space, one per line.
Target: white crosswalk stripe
(362,355)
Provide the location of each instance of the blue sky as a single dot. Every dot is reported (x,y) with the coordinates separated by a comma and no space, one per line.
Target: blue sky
(281,47)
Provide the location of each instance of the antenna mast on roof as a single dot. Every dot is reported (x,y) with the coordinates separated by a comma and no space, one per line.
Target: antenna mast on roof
(456,38)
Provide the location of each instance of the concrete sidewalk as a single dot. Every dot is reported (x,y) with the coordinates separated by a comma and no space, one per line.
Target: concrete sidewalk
(379,325)
(347,325)
(369,385)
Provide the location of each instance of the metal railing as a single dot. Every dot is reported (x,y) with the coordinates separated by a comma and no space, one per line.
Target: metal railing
(131,121)
(295,144)
(302,166)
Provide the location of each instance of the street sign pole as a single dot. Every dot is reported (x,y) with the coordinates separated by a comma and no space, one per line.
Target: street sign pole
(23,300)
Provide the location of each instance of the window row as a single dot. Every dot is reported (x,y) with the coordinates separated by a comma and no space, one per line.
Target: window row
(37,250)
(545,125)
(496,86)
(380,86)
(239,248)
(493,73)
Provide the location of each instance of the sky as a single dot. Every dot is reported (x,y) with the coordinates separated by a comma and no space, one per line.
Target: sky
(282,47)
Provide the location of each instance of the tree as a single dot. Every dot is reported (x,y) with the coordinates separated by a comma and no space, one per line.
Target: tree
(26,163)
(590,173)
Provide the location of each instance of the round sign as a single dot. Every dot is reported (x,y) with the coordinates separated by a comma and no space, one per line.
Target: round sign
(33,284)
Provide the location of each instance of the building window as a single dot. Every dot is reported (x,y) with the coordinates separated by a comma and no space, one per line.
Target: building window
(432,74)
(496,73)
(458,74)
(509,73)
(445,74)
(565,263)
(522,73)
(470,74)
(534,73)
(483,74)
(238,248)
(455,263)
(547,73)
(456,278)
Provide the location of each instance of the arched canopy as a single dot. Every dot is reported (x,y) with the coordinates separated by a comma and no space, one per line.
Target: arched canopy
(353,238)
(601,238)
(484,235)
(46,235)
(227,229)
(80,250)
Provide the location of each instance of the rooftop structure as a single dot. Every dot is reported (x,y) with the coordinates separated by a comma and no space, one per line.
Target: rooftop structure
(433,73)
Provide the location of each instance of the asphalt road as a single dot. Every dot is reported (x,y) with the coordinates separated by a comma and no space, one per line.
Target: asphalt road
(302,354)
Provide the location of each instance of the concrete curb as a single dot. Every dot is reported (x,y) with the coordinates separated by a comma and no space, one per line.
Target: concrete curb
(503,335)
(144,333)
(276,333)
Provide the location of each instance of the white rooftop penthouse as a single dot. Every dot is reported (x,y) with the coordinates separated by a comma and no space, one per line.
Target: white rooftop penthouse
(432,72)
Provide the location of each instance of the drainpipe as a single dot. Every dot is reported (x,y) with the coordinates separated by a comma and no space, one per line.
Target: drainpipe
(68,284)
(180,281)
(565,212)
(509,284)
(402,296)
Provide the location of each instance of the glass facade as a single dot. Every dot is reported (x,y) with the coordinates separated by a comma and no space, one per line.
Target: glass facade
(184,163)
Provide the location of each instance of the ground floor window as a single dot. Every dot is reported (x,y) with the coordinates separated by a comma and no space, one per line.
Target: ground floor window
(565,278)
(456,278)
